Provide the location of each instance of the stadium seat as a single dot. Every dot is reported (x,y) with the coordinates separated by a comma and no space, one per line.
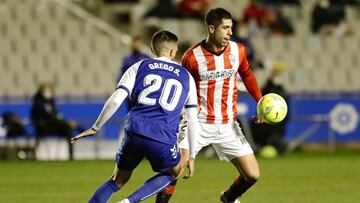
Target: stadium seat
(351,44)
(63,46)
(54,30)
(35,63)
(340,80)
(294,44)
(34,30)
(259,46)
(190,30)
(6,82)
(13,30)
(354,79)
(74,63)
(276,44)
(102,44)
(346,61)
(43,76)
(320,80)
(301,79)
(44,45)
(7,47)
(15,63)
(23,13)
(94,63)
(55,63)
(326,60)
(332,44)
(72,29)
(24,46)
(82,46)
(25,83)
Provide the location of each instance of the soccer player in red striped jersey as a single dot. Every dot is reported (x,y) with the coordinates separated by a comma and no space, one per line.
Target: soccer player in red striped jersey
(214,64)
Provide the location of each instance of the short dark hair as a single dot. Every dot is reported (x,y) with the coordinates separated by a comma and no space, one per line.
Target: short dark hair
(159,38)
(216,15)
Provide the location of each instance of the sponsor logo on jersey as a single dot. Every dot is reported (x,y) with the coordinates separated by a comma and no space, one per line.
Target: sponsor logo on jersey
(213,75)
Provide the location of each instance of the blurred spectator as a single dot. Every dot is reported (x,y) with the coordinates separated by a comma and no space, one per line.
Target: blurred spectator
(255,18)
(278,24)
(193,8)
(121,1)
(289,2)
(13,125)
(266,134)
(135,56)
(162,9)
(263,21)
(328,19)
(241,34)
(47,119)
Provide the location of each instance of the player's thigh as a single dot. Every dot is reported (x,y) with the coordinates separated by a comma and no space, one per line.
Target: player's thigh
(163,157)
(232,143)
(207,135)
(130,152)
(204,138)
(121,177)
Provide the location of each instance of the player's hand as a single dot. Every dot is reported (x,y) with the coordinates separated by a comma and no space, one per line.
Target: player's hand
(257,119)
(191,167)
(86,133)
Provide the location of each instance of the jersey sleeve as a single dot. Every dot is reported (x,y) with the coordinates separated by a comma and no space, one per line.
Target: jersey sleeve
(191,101)
(110,107)
(127,81)
(192,117)
(247,75)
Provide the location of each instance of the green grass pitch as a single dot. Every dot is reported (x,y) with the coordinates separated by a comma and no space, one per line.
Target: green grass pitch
(299,177)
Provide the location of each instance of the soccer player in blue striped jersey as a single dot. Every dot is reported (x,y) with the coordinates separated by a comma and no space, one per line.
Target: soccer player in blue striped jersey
(159,89)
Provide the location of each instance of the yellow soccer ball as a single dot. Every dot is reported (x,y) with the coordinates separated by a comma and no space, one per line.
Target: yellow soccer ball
(272,108)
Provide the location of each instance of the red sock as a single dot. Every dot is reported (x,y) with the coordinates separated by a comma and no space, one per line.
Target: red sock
(239,187)
(165,195)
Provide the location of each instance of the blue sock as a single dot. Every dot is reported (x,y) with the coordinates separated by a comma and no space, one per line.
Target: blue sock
(104,192)
(152,186)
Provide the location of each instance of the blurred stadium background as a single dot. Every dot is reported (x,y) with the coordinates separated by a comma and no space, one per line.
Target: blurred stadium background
(79,46)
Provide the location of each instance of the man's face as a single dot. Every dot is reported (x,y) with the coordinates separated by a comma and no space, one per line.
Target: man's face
(223,32)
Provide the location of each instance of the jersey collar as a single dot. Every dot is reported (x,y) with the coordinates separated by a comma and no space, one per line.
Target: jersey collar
(218,53)
(166,59)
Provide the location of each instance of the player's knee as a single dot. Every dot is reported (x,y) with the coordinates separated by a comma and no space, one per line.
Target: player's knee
(121,179)
(252,176)
(176,172)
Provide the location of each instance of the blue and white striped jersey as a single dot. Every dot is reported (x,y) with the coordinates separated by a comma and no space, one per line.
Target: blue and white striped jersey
(159,89)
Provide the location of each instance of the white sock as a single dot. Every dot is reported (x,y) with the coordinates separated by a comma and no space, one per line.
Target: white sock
(124,201)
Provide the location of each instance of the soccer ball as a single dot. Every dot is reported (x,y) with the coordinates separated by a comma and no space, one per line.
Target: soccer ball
(272,108)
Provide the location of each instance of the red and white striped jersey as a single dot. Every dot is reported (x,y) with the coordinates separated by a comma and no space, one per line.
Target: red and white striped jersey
(215,76)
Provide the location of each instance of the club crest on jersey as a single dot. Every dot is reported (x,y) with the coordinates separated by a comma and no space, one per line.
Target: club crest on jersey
(232,59)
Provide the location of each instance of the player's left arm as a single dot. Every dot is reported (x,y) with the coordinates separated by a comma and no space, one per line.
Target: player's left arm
(248,76)
(123,89)
(110,107)
(249,79)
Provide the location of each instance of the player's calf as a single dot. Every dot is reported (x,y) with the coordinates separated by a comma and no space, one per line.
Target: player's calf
(239,187)
(165,195)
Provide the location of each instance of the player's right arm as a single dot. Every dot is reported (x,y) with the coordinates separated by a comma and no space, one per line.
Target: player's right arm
(193,122)
(124,88)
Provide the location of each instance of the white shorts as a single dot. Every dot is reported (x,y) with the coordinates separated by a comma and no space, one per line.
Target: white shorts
(227,139)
